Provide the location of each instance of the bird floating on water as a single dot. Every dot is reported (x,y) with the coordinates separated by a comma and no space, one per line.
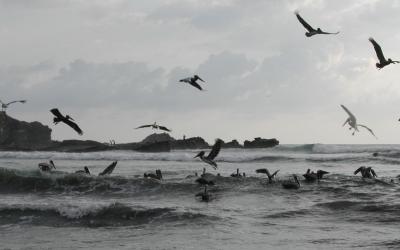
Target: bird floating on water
(311,176)
(192,81)
(65,119)
(154,126)
(271,177)
(382,60)
(209,159)
(46,166)
(310,30)
(366,172)
(157,176)
(352,121)
(291,183)
(107,171)
(4,105)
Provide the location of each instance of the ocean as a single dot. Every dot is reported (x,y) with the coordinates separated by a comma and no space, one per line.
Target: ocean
(63,210)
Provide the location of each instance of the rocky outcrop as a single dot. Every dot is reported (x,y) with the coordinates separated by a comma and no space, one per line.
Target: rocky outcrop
(258,142)
(232,144)
(163,146)
(153,138)
(78,146)
(190,143)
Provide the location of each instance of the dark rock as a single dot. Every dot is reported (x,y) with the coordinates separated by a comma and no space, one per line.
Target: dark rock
(232,144)
(258,142)
(190,143)
(78,146)
(157,138)
(163,146)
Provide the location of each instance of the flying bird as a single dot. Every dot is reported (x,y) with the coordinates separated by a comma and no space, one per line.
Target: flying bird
(382,60)
(65,119)
(352,121)
(310,29)
(209,159)
(192,81)
(4,106)
(265,171)
(155,126)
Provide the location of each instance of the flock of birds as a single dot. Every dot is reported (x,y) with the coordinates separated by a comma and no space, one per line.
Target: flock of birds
(210,158)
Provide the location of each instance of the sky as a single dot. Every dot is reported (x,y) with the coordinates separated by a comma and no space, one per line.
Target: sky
(115,64)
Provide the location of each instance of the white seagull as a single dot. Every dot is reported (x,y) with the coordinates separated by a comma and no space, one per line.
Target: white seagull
(352,121)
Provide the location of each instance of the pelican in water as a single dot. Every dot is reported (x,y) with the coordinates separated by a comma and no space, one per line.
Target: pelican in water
(46,166)
(4,105)
(84,171)
(310,30)
(107,171)
(205,196)
(154,126)
(157,176)
(193,81)
(271,177)
(237,174)
(352,121)
(291,183)
(382,60)
(311,176)
(209,159)
(65,119)
(366,172)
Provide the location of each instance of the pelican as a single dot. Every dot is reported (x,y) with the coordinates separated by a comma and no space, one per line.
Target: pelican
(291,184)
(311,176)
(84,171)
(237,174)
(352,121)
(310,29)
(4,105)
(107,171)
(154,126)
(265,171)
(205,196)
(157,176)
(209,159)
(192,81)
(382,60)
(65,119)
(366,172)
(46,166)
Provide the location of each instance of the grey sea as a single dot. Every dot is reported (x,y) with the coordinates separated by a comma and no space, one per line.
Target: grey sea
(63,210)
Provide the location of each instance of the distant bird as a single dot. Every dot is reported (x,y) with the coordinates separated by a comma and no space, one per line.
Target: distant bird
(157,176)
(4,106)
(352,121)
(46,167)
(265,171)
(366,172)
(382,60)
(310,29)
(291,183)
(65,119)
(84,171)
(205,196)
(209,159)
(154,126)
(311,176)
(192,81)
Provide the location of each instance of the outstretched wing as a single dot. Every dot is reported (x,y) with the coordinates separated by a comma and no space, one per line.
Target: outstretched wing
(144,126)
(21,101)
(358,170)
(373,173)
(304,23)
(329,33)
(349,113)
(273,175)
(74,126)
(370,130)
(262,171)
(108,170)
(378,50)
(164,128)
(56,113)
(196,85)
(215,149)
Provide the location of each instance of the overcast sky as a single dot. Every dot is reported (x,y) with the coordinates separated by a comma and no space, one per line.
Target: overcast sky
(115,64)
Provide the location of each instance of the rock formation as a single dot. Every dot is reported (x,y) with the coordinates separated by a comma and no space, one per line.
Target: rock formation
(258,142)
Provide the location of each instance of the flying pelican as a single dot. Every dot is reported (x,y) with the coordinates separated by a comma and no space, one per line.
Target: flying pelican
(107,171)
(291,184)
(65,119)
(352,121)
(4,106)
(192,81)
(382,60)
(209,159)
(310,29)
(311,176)
(155,126)
(366,172)
(46,166)
(265,171)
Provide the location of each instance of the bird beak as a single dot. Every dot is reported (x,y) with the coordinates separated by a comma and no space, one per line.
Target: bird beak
(197,155)
(201,79)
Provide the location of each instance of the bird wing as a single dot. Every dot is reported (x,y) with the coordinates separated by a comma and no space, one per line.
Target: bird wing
(164,128)
(378,50)
(358,170)
(329,33)
(373,173)
(74,126)
(273,175)
(144,126)
(304,23)
(196,85)
(108,170)
(21,101)
(370,130)
(262,171)
(349,113)
(56,112)
(215,149)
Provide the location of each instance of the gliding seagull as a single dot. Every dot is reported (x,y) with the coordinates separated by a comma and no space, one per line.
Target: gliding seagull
(352,121)
(382,60)
(310,29)
(192,81)
(4,106)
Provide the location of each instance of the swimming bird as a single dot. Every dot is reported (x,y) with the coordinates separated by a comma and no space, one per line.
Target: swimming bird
(311,176)
(84,171)
(46,166)
(209,159)
(154,126)
(205,196)
(157,176)
(366,172)
(382,60)
(291,183)
(65,119)
(352,121)
(237,174)
(107,171)
(192,81)
(4,106)
(265,171)
(310,30)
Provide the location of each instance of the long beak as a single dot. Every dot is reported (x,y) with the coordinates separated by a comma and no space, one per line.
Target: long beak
(198,155)
(201,79)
